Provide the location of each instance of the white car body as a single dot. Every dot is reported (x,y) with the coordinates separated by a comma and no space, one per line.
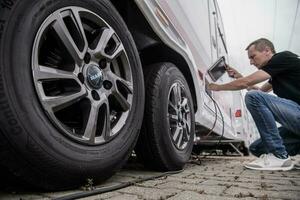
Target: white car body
(195,30)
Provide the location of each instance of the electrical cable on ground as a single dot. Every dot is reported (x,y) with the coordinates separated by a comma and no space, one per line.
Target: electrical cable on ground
(114,187)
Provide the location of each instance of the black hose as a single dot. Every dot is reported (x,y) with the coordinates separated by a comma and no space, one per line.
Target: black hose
(114,187)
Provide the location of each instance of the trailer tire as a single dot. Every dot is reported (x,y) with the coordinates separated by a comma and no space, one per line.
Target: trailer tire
(155,148)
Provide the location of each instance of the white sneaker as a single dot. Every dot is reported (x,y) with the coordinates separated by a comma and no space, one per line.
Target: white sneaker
(270,162)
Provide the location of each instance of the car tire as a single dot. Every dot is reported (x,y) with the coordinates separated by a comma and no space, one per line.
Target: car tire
(53,49)
(166,138)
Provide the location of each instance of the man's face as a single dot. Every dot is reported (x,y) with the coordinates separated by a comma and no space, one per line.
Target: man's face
(259,58)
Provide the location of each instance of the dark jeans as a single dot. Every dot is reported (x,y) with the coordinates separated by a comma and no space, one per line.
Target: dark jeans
(290,140)
(268,109)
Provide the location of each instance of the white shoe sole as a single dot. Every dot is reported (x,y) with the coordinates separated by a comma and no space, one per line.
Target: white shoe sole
(271,168)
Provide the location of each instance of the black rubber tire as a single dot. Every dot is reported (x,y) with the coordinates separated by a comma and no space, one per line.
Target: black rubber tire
(155,148)
(30,146)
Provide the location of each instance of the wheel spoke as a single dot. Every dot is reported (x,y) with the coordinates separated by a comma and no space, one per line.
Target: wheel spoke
(59,102)
(65,36)
(186,110)
(176,133)
(116,52)
(48,73)
(107,128)
(81,29)
(173,118)
(106,35)
(177,93)
(125,105)
(186,124)
(184,102)
(186,132)
(115,78)
(91,126)
(180,137)
(187,127)
(173,107)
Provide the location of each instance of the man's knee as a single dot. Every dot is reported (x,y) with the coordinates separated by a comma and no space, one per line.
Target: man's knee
(252,97)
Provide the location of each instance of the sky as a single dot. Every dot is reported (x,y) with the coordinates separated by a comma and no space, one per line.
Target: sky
(247,20)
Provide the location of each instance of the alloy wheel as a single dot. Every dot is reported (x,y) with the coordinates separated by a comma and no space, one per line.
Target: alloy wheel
(179,116)
(82,75)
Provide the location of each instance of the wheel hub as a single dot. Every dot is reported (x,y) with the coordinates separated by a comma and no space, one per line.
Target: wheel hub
(95,76)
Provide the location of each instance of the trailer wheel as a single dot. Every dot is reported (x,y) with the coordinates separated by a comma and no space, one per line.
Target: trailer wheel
(71,91)
(166,138)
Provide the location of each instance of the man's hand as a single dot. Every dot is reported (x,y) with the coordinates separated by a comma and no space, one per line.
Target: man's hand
(213,87)
(233,73)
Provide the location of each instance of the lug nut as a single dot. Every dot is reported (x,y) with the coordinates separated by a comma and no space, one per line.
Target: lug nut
(102,63)
(81,77)
(107,85)
(87,58)
(95,95)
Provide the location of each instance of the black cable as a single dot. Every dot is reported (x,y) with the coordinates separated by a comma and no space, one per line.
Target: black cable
(216,116)
(223,123)
(114,187)
(222,117)
(216,112)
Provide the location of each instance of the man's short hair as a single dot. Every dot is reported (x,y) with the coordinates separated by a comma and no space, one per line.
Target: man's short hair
(261,45)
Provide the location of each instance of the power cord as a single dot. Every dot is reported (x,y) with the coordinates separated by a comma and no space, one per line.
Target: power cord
(114,187)
(217,108)
(216,112)
(216,116)
(222,117)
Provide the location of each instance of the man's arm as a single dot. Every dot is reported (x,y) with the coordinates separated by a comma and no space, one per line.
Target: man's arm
(267,87)
(242,83)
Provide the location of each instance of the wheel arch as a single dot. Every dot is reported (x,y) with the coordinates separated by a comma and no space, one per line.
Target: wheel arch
(151,48)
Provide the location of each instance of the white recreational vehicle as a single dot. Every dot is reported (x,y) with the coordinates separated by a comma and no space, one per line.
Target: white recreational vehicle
(84,82)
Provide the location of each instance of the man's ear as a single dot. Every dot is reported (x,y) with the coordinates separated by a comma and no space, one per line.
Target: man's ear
(268,50)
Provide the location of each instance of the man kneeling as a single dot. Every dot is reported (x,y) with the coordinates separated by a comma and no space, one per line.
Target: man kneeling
(282,70)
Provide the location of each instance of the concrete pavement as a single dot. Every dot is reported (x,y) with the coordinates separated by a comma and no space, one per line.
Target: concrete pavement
(213,178)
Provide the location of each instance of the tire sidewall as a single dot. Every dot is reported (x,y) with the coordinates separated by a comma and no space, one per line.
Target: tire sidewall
(29,129)
(175,156)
